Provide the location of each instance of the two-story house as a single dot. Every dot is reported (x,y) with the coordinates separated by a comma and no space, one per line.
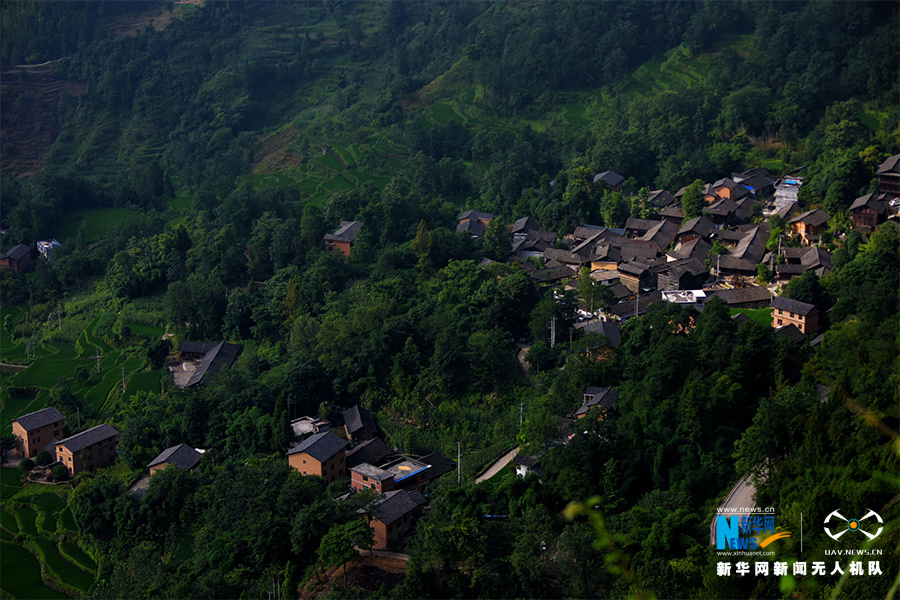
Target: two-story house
(89,449)
(801,315)
(322,454)
(36,430)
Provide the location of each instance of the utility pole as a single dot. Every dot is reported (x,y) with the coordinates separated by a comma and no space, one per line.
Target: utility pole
(458,463)
(97,349)
(553,331)
(123,380)
(521,411)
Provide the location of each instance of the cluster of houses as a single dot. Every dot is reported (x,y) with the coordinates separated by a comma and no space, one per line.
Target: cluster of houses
(670,258)
(42,431)
(395,480)
(18,259)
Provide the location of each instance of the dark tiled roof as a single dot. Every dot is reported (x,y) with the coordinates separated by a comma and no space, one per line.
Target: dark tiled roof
(733,263)
(610,177)
(583,232)
(816,257)
(790,331)
(606,253)
(371,451)
(757,182)
(673,210)
(600,396)
(794,306)
(747,294)
(358,419)
(660,198)
(563,256)
(625,309)
(347,232)
(472,227)
(196,347)
(474,215)
(17,252)
(86,438)
(552,274)
(696,248)
(634,269)
(221,356)
(870,201)
(699,225)
(395,505)
(40,418)
(182,456)
(813,218)
(320,446)
(891,165)
(610,330)
(644,225)
(525,224)
(439,464)
(661,234)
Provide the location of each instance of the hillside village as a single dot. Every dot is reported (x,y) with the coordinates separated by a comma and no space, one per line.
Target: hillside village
(668,258)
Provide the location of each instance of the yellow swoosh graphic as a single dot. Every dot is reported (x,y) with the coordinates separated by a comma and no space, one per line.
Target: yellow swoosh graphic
(773,538)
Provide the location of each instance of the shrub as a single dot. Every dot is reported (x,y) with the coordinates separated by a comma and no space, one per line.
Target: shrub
(60,473)
(26,465)
(43,458)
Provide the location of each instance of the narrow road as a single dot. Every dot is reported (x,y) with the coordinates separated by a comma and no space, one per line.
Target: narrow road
(741,496)
(497,466)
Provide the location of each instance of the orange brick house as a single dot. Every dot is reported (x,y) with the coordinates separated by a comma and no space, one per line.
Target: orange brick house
(394,515)
(369,477)
(36,430)
(810,225)
(89,449)
(801,315)
(342,239)
(322,454)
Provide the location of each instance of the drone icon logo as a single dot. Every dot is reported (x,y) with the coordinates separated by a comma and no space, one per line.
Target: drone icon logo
(853,524)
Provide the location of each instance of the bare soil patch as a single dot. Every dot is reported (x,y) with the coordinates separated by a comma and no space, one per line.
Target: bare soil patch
(273,152)
(29,123)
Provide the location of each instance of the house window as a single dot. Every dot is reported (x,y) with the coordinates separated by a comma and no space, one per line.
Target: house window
(779,321)
(792,315)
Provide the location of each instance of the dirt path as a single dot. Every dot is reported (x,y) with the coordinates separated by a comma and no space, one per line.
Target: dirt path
(497,466)
(389,562)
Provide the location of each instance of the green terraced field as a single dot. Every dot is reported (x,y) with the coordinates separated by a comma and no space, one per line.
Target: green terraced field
(26,517)
(96,221)
(148,381)
(8,522)
(444,113)
(63,569)
(22,574)
(45,372)
(148,330)
(77,555)
(67,520)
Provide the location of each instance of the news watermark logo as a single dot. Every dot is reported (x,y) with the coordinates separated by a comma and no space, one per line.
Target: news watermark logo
(845,525)
(746,532)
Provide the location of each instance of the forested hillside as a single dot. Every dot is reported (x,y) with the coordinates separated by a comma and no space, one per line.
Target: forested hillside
(191,157)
